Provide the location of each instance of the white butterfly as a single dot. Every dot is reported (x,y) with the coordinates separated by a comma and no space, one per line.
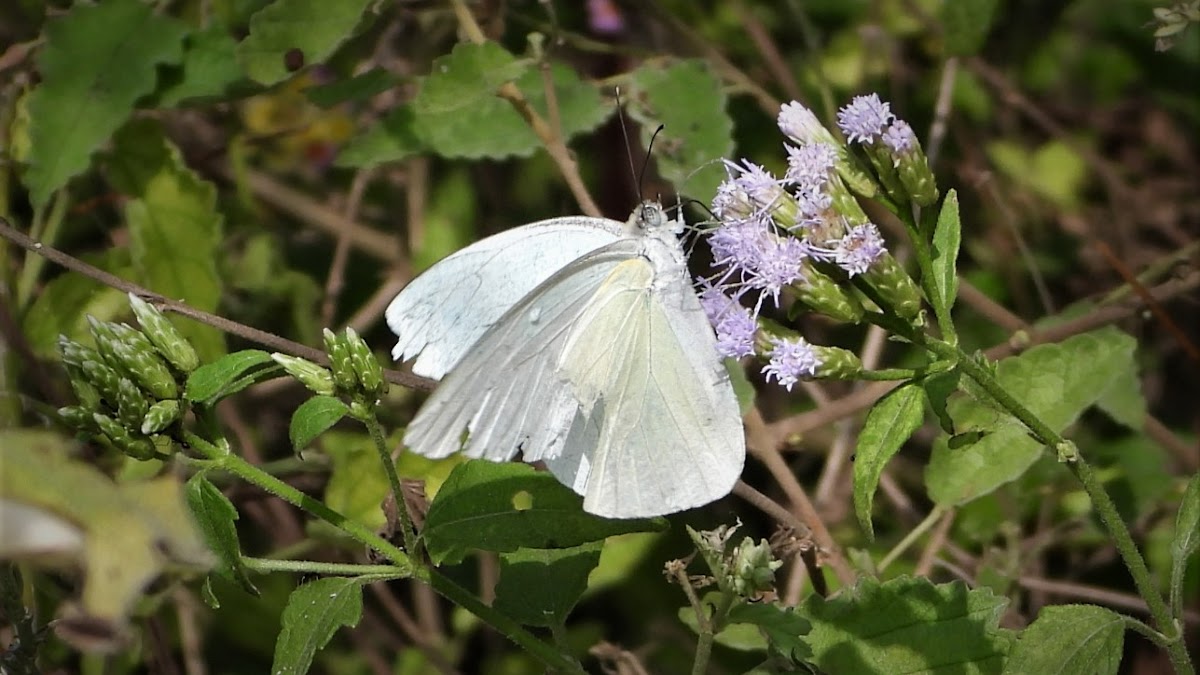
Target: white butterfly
(579,342)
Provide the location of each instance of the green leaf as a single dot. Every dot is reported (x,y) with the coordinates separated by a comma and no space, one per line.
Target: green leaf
(228,375)
(215,515)
(392,139)
(1123,401)
(313,614)
(467,77)
(491,128)
(743,389)
(1187,534)
(505,506)
(539,587)
(947,235)
(1064,639)
(889,424)
(209,70)
(784,627)
(907,625)
(313,418)
(965,25)
(174,225)
(358,88)
(357,484)
(1056,382)
(98,60)
(315,27)
(689,101)
(938,388)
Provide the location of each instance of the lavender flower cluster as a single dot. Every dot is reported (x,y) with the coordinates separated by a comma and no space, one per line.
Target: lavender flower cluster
(806,235)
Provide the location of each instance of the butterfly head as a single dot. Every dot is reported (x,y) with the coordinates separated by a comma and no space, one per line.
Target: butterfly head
(650,216)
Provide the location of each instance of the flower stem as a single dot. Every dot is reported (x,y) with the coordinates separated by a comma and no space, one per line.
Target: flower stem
(316,567)
(389,467)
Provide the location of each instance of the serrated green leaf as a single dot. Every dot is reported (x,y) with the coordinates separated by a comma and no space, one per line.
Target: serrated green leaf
(358,88)
(947,235)
(174,225)
(539,587)
(357,483)
(392,139)
(744,637)
(689,101)
(313,418)
(209,69)
(492,128)
(1056,382)
(98,60)
(315,27)
(966,24)
(1069,639)
(907,625)
(228,375)
(505,506)
(315,611)
(215,515)
(1123,401)
(889,424)
(466,77)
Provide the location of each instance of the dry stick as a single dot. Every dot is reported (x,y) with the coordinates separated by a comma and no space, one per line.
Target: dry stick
(775,463)
(771,56)
(937,539)
(395,610)
(264,338)
(1155,307)
(336,279)
(1098,595)
(551,141)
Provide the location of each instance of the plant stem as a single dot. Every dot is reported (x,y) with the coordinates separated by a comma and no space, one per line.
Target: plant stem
(389,467)
(911,538)
(1101,502)
(316,567)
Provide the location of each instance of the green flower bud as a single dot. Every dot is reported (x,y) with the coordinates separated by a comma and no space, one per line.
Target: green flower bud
(104,379)
(366,366)
(164,336)
(77,417)
(820,293)
(317,379)
(87,395)
(892,282)
(160,416)
(128,350)
(131,403)
(119,437)
(837,363)
(339,360)
(753,568)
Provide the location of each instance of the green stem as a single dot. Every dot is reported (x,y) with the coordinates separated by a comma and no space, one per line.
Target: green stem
(911,538)
(45,232)
(404,565)
(1151,634)
(389,467)
(1101,502)
(316,567)
(887,374)
(921,234)
(708,633)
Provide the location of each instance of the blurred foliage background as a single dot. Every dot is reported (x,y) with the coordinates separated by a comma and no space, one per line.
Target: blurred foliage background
(292,175)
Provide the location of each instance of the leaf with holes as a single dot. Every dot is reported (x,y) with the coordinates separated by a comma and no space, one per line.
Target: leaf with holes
(313,614)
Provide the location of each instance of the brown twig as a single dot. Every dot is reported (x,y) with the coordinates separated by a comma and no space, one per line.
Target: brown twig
(269,340)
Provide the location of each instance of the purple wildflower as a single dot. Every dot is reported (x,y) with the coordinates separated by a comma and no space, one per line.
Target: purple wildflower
(791,361)
(859,249)
(813,203)
(899,138)
(801,125)
(757,256)
(604,17)
(864,118)
(809,165)
(760,185)
(735,333)
(731,201)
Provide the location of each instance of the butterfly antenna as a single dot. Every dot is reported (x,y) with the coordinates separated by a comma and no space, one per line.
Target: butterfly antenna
(633,173)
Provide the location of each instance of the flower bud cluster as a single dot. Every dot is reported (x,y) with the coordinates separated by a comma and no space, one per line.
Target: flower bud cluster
(129,385)
(747,569)
(804,237)
(353,369)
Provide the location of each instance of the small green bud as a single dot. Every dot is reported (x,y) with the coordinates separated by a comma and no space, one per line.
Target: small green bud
(74,354)
(837,363)
(131,403)
(164,336)
(87,395)
(104,379)
(129,351)
(893,283)
(160,416)
(340,362)
(317,379)
(820,293)
(77,417)
(366,366)
(753,568)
